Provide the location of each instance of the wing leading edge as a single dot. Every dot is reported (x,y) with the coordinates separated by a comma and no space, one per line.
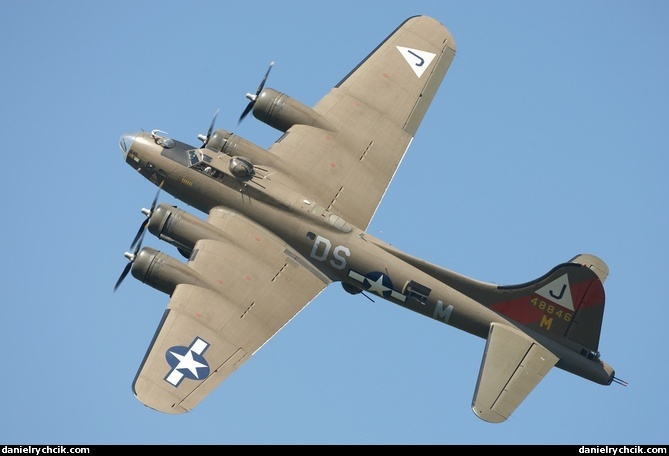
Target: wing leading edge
(256,285)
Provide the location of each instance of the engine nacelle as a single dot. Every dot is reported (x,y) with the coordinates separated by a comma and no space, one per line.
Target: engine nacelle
(280,111)
(231,144)
(164,273)
(181,229)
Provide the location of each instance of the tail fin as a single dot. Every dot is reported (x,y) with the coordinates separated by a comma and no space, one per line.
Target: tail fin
(566,303)
(594,263)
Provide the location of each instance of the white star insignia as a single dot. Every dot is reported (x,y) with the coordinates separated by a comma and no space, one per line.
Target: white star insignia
(187,362)
(377,286)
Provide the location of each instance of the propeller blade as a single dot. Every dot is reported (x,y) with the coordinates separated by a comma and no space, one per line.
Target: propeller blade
(246,111)
(262,84)
(131,259)
(155,198)
(254,97)
(139,237)
(140,233)
(125,272)
(205,139)
(148,213)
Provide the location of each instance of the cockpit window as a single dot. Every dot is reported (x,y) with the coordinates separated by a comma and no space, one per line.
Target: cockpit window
(196,156)
(192,157)
(201,162)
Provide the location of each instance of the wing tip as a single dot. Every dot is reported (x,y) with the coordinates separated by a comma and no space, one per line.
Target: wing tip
(155,399)
(488,415)
(422,21)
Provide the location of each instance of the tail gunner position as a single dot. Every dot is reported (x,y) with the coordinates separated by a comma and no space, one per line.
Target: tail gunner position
(283,223)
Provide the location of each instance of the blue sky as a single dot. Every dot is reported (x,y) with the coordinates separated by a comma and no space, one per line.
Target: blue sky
(549,137)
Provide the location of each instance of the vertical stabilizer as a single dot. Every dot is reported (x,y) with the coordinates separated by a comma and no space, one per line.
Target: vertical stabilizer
(566,303)
(594,263)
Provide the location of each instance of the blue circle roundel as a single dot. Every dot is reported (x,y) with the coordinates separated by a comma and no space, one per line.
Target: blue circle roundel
(187,362)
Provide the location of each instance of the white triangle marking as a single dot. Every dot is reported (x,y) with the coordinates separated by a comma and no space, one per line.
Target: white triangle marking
(417,60)
(558,291)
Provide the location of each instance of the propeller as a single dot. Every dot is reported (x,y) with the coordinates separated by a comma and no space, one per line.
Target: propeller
(254,97)
(148,213)
(139,237)
(131,259)
(205,139)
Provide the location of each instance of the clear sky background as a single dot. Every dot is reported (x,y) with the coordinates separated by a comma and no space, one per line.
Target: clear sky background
(549,137)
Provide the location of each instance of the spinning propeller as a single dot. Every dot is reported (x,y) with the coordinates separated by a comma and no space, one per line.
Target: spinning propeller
(137,241)
(254,97)
(131,259)
(205,139)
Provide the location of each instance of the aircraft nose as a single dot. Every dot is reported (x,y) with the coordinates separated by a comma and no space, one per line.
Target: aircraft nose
(125,143)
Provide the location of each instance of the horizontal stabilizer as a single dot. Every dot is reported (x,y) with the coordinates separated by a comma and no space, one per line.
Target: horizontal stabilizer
(513,364)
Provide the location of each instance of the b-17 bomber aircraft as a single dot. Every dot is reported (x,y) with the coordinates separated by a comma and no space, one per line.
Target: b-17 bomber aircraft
(285,222)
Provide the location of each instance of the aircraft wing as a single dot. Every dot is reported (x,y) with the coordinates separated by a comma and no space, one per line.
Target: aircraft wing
(374,113)
(257,285)
(513,364)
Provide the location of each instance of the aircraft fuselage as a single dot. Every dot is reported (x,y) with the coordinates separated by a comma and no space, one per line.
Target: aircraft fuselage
(343,253)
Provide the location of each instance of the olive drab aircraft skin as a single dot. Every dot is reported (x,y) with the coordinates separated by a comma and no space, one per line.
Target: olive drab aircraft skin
(283,223)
